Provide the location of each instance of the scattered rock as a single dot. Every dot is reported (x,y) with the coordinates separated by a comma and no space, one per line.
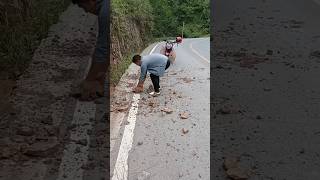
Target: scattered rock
(6,152)
(185,131)
(77,150)
(238,173)
(187,80)
(234,171)
(230,162)
(269,52)
(42,149)
(152,103)
(250,61)
(315,54)
(184,115)
(25,131)
(122,108)
(140,143)
(167,110)
(82,142)
(47,120)
(229,109)
(88,166)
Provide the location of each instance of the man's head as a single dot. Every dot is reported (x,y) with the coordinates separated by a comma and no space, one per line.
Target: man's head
(88,5)
(137,59)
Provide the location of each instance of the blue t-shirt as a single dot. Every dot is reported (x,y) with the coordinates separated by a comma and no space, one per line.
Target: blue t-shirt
(154,64)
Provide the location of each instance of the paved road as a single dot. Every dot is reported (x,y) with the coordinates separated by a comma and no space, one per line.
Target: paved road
(267,67)
(160,150)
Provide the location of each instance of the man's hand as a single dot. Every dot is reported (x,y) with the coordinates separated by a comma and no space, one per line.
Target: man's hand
(90,90)
(138,89)
(93,86)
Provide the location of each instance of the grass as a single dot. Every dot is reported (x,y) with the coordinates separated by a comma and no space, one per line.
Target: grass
(23,24)
(117,70)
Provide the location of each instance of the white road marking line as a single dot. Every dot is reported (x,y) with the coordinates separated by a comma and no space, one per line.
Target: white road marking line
(121,167)
(120,171)
(154,48)
(75,155)
(196,52)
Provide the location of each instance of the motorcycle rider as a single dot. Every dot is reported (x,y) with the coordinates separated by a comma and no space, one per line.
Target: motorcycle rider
(168,51)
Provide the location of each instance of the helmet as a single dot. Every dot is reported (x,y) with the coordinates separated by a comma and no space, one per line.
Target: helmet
(178,39)
(169,46)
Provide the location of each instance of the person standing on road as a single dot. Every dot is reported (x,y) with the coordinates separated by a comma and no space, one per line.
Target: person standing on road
(93,85)
(155,64)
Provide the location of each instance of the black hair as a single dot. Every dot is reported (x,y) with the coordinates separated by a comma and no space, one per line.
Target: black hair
(77,1)
(136,58)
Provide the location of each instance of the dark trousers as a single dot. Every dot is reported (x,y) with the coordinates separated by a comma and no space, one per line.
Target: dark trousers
(156,79)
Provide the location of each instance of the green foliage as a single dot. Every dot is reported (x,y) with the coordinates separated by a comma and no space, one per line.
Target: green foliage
(23,23)
(117,70)
(169,16)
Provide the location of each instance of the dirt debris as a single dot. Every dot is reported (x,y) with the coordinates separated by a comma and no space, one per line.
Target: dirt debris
(184,115)
(25,131)
(234,171)
(187,80)
(184,130)
(42,149)
(229,108)
(167,110)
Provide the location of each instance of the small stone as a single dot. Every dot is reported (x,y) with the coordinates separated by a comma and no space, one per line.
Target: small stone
(6,152)
(167,110)
(25,131)
(238,173)
(269,52)
(229,109)
(82,142)
(185,131)
(230,162)
(184,115)
(77,150)
(42,149)
(140,143)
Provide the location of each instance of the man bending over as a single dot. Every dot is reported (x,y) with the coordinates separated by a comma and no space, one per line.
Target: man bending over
(155,64)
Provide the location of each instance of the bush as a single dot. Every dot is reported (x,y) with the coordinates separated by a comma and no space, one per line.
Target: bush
(23,23)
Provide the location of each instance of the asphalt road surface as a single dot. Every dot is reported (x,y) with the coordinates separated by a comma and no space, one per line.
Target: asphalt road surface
(266,88)
(164,146)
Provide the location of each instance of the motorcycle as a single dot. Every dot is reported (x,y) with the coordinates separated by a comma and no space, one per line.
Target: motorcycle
(168,49)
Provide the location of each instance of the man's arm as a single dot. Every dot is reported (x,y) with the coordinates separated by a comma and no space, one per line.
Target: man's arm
(143,73)
(142,78)
(94,82)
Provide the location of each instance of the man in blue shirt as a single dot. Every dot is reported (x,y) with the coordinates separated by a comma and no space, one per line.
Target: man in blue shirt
(155,64)
(93,85)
